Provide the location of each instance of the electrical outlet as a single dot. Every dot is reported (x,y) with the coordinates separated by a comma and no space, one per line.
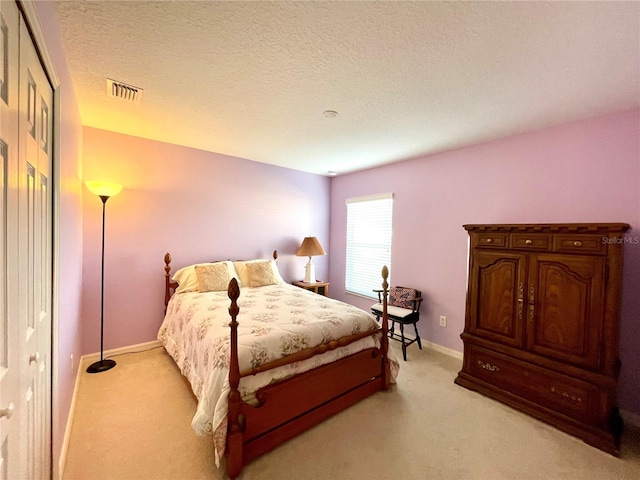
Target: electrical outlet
(443,321)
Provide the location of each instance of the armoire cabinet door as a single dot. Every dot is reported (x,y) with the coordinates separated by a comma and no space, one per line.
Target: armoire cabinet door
(565,307)
(497,288)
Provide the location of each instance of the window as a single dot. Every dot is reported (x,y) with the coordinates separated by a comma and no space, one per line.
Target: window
(369,229)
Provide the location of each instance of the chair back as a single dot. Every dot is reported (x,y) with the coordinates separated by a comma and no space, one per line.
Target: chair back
(405,297)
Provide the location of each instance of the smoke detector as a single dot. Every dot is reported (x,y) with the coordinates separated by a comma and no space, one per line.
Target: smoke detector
(123,91)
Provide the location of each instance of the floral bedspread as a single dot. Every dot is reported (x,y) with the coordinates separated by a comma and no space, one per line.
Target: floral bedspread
(274,321)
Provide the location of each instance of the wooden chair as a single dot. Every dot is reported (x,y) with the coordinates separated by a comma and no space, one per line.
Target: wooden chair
(403,307)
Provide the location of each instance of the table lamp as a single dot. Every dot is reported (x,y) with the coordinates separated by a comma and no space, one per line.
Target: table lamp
(310,248)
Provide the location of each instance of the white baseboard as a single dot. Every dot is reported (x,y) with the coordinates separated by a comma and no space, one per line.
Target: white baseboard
(438,348)
(140,347)
(67,431)
(630,418)
(447,351)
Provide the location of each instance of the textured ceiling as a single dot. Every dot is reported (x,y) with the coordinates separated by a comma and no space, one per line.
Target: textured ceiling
(252,79)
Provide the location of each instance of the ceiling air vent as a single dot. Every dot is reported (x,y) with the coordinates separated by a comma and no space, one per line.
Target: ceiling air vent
(125,92)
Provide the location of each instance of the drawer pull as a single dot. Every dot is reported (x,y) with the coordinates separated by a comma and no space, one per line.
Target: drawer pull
(489,240)
(566,395)
(577,243)
(488,366)
(528,241)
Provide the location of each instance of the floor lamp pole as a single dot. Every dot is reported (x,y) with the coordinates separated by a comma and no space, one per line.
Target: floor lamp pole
(107,364)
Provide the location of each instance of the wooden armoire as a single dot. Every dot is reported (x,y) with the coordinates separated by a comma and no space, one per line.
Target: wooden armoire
(541,324)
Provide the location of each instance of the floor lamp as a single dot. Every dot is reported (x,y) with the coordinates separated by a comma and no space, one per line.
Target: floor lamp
(105,191)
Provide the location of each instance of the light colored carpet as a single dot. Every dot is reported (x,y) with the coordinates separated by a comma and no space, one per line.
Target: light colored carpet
(133,423)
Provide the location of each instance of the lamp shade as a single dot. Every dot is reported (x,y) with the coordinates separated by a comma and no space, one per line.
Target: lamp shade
(103,189)
(310,248)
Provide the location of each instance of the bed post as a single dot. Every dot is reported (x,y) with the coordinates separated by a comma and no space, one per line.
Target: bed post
(167,280)
(384,341)
(234,426)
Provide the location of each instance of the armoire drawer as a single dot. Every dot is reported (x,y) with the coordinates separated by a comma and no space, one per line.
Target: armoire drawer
(492,240)
(566,395)
(579,243)
(529,241)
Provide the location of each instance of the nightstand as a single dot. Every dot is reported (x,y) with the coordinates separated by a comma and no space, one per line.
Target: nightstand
(321,288)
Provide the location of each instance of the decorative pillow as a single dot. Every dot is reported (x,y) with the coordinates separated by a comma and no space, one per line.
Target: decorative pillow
(244,276)
(261,274)
(188,280)
(213,278)
(402,297)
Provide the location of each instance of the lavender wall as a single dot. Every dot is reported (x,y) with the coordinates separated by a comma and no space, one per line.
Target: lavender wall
(587,171)
(68,335)
(196,205)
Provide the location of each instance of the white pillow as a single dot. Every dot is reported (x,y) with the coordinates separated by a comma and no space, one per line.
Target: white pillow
(245,277)
(188,280)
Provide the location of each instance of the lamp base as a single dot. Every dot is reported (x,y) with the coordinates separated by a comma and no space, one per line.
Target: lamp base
(101,366)
(310,272)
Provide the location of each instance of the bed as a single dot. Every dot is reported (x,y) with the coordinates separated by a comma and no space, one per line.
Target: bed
(270,362)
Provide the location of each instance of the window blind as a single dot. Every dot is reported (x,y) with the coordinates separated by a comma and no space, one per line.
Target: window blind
(369,229)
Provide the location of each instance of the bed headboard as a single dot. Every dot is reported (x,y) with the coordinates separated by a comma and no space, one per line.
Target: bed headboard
(170,286)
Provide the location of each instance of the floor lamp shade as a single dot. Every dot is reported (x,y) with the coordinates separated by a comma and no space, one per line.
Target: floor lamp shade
(104,190)
(310,248)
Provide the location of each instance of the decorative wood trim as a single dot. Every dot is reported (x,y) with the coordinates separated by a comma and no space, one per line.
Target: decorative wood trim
(551,228)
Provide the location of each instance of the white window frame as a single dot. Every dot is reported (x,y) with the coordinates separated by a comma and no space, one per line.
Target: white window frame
(368,245)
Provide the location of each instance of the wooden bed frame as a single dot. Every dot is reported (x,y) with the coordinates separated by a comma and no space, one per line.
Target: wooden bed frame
(287,408)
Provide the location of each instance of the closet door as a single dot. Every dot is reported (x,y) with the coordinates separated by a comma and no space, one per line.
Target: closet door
(9,338)
(25,253)
(34,255)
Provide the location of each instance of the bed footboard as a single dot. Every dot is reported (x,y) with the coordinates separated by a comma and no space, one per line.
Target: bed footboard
(294,405)
(310,398)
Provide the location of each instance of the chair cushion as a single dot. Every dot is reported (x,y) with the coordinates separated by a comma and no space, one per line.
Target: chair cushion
(402,297)
(397,312)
